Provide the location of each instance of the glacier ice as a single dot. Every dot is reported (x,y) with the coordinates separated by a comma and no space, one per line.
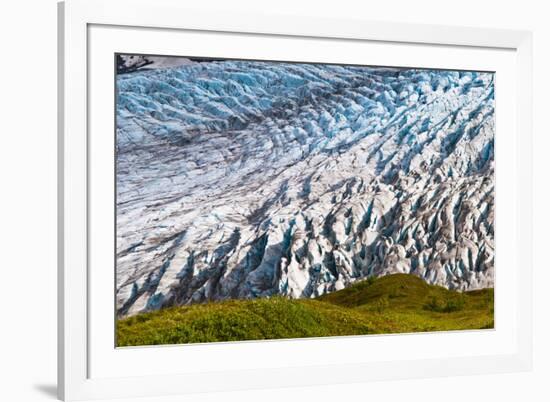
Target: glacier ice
(242,179)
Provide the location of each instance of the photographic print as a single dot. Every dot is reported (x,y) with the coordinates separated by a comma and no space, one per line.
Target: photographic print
(264,200)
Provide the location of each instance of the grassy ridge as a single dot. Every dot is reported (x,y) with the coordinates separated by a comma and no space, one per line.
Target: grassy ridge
(391,304)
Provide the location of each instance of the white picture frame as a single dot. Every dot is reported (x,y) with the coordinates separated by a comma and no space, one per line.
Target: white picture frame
(80,377)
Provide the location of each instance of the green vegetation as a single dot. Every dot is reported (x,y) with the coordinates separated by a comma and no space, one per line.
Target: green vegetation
(391,304)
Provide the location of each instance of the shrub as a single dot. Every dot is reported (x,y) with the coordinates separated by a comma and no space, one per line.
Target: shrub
(381,304)
(433,305)
(449,305)
(454,304)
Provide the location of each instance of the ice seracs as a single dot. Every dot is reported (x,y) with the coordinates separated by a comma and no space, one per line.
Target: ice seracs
(241,179)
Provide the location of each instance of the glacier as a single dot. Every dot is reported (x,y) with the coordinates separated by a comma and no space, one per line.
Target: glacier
(245,179)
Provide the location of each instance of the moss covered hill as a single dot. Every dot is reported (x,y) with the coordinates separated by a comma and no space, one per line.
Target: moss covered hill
(390,304)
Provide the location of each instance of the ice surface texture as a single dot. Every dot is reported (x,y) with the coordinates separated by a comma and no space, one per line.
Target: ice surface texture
(240,179)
